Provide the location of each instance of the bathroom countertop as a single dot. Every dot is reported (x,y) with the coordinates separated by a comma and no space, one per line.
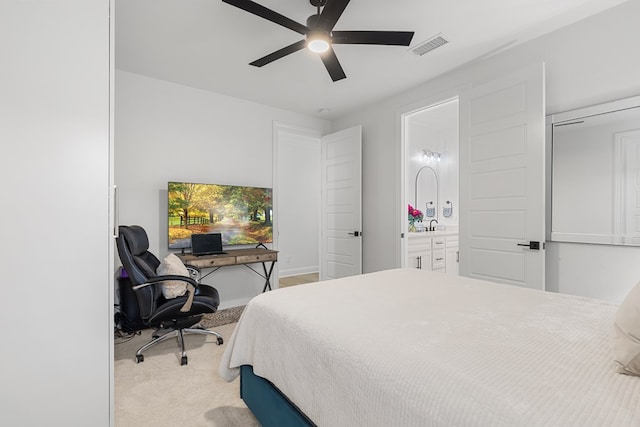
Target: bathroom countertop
(434,233)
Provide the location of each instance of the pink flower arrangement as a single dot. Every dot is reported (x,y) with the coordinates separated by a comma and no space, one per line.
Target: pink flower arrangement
(414,215)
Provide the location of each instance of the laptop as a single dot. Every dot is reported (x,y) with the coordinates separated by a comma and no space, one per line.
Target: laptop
(206,244)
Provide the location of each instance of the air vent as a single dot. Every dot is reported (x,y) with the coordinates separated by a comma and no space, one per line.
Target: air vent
(429,45)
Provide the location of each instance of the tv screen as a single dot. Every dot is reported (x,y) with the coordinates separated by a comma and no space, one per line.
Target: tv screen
(243,215)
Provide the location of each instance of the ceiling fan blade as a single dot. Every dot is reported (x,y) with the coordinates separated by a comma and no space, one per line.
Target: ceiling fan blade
(331,13)
(279,54)
(268,14)
(391,38)
(332,64)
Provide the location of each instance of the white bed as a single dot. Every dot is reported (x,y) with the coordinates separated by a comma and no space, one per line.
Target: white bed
(408,347)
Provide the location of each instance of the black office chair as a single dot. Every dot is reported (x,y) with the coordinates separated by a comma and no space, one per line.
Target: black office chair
(156,311)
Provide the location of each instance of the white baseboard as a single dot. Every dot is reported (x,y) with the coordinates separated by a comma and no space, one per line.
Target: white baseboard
(233,303)
(298,271)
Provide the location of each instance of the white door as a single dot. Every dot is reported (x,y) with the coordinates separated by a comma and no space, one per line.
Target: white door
(296,178)
(341,206)
(629,145)
(502,180)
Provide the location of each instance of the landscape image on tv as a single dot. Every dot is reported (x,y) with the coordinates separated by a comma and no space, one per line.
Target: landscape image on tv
(243,215)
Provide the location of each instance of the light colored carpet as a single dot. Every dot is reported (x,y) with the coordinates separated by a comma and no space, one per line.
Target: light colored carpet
(160,393)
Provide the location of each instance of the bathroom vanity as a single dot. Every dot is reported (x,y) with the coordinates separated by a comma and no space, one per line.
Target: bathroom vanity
(433,250)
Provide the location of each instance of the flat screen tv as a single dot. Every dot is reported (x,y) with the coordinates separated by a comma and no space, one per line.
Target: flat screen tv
(243,215)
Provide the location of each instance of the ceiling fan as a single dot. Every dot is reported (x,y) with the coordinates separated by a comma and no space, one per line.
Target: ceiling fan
(319,34)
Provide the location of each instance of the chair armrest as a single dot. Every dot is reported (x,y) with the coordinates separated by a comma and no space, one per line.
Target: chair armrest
(157,279)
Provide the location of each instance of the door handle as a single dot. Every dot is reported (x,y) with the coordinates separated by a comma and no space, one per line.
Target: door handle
(355,233)
(531,245)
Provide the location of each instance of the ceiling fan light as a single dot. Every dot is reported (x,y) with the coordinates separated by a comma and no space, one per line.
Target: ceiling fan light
(318,46)
(317,42)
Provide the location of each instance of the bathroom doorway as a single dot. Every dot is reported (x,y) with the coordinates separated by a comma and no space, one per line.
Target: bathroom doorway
(431,169)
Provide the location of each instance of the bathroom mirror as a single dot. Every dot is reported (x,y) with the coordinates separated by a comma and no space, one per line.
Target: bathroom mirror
(595,189)
(427,192)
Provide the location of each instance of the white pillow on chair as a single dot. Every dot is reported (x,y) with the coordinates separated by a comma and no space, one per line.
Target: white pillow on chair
(171,265)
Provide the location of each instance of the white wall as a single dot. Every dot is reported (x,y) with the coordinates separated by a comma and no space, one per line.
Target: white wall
(449,167)
(590,62)
(165,131)
(56,356)
(597,271)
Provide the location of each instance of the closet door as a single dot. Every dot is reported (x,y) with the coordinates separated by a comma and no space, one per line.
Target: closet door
(502,181)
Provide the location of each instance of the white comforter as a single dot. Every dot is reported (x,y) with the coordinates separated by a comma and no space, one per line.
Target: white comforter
(413,348)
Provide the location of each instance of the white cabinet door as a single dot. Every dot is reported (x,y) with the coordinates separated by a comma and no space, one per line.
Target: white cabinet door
(451,262)
(451,255)
(419,259)
(419,252)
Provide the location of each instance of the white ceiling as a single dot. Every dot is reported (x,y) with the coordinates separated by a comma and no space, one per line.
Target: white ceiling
(208,44)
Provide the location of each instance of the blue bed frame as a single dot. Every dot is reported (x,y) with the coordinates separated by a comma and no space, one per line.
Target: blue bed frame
(267,403)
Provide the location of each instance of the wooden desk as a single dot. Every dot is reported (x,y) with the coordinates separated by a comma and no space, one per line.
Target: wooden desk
(235,257)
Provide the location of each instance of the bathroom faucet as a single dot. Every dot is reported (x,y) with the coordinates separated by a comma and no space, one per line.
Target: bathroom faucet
(431,227)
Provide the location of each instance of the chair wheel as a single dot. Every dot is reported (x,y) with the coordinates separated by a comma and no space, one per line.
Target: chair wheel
(183,360)
(139,358)
(220,341)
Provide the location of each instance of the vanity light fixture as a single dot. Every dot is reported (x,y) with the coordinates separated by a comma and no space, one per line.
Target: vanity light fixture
(430,156)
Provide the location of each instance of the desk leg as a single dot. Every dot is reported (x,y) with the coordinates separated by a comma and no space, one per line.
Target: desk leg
(267,275)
